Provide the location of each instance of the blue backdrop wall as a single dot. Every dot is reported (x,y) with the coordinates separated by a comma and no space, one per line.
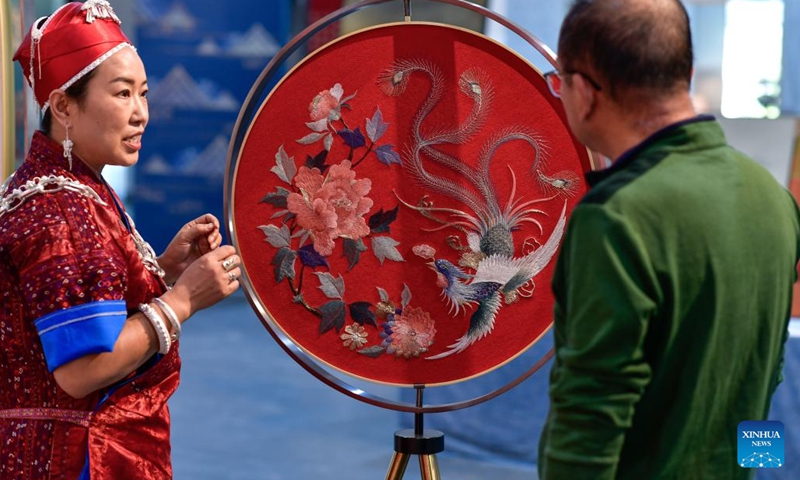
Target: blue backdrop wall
(202,58)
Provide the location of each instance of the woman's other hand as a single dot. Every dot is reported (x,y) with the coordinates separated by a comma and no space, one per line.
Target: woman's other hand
(192,241)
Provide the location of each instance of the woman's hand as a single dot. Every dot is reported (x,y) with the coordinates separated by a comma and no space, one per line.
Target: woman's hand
(192,241)
(205,282)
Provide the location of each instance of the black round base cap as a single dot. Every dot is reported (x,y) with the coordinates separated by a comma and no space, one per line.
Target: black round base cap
(429,443)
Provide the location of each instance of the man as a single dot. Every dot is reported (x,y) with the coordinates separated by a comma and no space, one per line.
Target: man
(673,285)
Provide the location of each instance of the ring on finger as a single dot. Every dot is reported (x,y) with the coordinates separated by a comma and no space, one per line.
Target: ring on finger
(227,264)
(231,277)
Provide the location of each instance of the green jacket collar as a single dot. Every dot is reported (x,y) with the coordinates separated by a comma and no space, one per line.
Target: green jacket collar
(696,132)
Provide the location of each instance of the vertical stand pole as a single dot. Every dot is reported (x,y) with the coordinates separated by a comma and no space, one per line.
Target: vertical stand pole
(7,159)
(417,441)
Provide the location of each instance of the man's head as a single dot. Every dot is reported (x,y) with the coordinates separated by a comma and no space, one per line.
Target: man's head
(625,69)
(633,49)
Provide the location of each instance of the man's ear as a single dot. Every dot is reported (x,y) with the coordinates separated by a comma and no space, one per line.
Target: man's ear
(61,106)
(587,96)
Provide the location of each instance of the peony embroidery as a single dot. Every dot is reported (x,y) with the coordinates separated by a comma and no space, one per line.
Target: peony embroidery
(410,333)
(322,207)
(331,207)
(327,104)
(324,110)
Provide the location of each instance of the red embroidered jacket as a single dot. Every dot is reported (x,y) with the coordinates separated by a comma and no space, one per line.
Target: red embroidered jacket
(70,274)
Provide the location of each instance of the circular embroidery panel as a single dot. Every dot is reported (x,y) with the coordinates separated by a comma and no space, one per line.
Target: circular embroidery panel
(399,200)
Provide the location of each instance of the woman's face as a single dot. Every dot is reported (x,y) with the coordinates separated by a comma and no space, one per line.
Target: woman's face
(107,127)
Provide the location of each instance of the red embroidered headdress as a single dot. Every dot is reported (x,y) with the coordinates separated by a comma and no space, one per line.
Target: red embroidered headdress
(60,49)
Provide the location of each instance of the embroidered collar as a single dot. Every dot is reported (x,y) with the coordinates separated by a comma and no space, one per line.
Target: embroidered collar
(48,157)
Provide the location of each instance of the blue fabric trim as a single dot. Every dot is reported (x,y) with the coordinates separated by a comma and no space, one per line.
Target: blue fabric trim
(85,472)
(75,313)
(78,331)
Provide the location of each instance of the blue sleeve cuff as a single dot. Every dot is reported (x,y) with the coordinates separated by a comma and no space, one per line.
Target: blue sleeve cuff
(78,331)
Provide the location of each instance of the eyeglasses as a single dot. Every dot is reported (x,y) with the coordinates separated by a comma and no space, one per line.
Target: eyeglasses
(553,79)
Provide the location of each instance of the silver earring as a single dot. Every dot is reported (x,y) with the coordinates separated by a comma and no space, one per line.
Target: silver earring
(67,143)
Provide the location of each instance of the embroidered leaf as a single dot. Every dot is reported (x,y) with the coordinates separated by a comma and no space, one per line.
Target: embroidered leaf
(288,218)
(387,155)
(352,251)
(343,102)
(328,142)
(361,313)
(284,167)
(352,138)
(276,198)
(279,213)
(310,138)
(383,294)
(331,287)
(375,126)
(380,220)
(318,161)
(320,125)
(283,261)
(384,247)
(405,297)
(374,351)
(310,258)
(277,237)
(333,314)
(304,238)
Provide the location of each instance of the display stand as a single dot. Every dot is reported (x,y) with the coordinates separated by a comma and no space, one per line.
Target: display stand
(7,140)
(417,441)
(254,134)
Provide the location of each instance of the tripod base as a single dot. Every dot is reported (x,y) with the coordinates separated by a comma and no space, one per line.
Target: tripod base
(425,446)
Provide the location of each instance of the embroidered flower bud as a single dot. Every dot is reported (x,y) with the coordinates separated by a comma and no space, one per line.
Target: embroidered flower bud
(424,251)
(382,309)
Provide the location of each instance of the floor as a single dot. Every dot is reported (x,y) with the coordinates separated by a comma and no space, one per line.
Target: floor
(246,410)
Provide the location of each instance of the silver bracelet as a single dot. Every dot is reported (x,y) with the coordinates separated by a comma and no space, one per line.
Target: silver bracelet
(164,342)
(170,314)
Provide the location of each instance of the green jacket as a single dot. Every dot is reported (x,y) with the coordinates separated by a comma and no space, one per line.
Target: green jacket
(673,291)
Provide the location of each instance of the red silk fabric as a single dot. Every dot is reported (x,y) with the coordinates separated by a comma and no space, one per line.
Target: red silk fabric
(362,184)
(56,249)
(130,432)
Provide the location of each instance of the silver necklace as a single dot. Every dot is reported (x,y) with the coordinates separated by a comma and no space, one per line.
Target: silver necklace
(56,183)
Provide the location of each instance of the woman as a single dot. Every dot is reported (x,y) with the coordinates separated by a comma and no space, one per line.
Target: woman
(88,321)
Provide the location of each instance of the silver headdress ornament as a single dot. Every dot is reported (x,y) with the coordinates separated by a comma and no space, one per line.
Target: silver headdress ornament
(36,37)
(99,9)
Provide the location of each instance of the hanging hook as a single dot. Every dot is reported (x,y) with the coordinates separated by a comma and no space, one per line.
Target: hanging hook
(407,7)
